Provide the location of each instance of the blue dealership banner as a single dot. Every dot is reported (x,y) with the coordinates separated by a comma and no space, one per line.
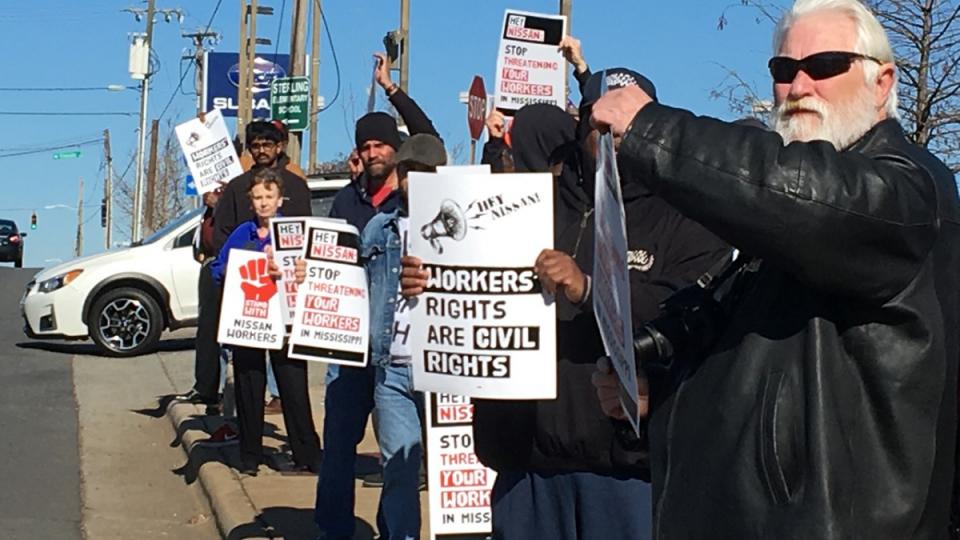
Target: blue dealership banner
(222,77)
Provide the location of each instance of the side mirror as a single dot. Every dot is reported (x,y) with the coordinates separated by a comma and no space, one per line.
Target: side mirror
(23,235)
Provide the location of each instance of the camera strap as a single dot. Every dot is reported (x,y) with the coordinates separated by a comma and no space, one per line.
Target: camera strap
(721,271)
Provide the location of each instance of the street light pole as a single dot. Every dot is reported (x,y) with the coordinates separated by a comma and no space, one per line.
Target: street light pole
(142,136)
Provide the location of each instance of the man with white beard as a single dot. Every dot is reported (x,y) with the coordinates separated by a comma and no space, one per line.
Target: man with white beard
(816,396)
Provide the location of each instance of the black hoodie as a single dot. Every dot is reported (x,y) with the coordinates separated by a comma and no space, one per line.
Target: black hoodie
(667,252)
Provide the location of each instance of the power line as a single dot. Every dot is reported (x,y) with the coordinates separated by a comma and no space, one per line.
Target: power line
(50,148)
(276,47)
(184,75)
(65,113)
(333,51)
(110,88)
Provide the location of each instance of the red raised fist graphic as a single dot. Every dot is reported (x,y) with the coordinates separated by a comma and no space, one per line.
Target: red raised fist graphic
(257,284)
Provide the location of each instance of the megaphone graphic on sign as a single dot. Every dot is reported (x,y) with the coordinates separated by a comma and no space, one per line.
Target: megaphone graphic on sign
(450,222)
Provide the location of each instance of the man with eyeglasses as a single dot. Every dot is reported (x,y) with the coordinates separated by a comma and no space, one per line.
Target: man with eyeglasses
(264,141)
(826,405)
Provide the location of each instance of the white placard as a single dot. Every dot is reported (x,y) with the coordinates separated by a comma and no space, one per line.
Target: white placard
(251,312)
(530,68)
(289,236)
(459,485)
(483,328)
(332,315)
(209,151)
(482,168)
(611,280)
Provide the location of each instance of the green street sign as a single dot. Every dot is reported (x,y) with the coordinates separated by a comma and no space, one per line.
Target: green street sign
(290,101)
(67,155)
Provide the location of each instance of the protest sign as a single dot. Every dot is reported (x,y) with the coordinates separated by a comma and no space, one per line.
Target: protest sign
(209,151)
(611,282)
(530,67)
(483,327)
(459,485)
(289,236)
(331,317)
(251,313)
(473,169)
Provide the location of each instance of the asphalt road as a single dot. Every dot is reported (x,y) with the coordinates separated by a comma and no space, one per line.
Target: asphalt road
(39,454)
(78,456)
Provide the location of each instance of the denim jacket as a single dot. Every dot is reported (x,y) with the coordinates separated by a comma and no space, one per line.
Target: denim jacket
(380,250)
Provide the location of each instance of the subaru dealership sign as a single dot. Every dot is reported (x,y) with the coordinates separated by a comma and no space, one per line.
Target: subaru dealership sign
(222,77)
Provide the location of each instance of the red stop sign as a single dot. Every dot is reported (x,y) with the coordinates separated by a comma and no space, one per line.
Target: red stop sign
(476,108)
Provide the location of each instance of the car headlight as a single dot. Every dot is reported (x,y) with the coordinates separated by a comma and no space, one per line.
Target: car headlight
(56,282)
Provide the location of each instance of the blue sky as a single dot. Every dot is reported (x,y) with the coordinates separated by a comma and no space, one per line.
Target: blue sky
(66,43)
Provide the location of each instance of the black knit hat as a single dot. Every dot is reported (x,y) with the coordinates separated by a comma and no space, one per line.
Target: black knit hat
(377,126)
(614,78)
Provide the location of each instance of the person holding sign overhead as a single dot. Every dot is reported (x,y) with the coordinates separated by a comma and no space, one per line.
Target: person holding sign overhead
(349,396)
(561,464)
(265,194)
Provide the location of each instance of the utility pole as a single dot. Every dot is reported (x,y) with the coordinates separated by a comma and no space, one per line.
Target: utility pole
(199,51)
(78,250)
(314,84)
(199,58)
(108,190)
(150,207)
(142,136)
(298,66)
(243,91)
(566,8)
(405,45)
(144,92)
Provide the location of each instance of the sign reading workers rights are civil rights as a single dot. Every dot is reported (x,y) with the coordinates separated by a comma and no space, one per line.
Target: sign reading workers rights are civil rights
(530,68)
(483,327)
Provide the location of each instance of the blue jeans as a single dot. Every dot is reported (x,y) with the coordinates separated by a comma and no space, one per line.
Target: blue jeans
(397,421)
(347,404)
(272,381)
(570,506)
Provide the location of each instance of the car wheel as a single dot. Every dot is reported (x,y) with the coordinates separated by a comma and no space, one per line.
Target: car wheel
(125,322)
(18,263)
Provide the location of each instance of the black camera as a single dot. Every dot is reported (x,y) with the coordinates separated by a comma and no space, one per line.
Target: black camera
(688,325)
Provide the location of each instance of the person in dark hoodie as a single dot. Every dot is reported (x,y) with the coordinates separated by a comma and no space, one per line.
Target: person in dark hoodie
(562,464)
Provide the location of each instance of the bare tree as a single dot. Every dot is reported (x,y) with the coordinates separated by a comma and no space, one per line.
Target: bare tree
(169,199)
(925,35)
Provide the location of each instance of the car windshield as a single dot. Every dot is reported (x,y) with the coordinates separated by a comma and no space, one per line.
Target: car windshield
(165,230)
(7,227)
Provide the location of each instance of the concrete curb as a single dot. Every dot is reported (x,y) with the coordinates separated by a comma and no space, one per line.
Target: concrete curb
(231,506)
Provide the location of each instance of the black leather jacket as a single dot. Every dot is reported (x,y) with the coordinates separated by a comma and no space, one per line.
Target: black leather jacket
(828,407)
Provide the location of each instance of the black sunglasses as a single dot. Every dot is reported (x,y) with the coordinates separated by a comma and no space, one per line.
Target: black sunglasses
(818,66)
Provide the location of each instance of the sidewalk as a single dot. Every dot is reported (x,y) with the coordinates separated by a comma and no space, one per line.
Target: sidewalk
(273,504)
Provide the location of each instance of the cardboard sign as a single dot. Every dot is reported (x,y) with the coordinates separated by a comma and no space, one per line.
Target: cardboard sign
(209,151)
(483,327)
(289,236)
(459,484)
(611,280)
(251,312)
(530,68)
(332,314)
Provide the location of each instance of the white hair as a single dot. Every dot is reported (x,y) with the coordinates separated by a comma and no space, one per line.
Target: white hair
(871,37)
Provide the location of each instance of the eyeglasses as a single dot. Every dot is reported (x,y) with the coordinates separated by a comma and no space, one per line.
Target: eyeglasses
(262,145)
(818,66)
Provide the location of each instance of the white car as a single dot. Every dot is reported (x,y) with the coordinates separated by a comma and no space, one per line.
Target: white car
(123,299)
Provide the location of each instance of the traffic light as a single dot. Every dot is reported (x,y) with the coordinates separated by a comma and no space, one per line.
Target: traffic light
(33,221)
(103,213)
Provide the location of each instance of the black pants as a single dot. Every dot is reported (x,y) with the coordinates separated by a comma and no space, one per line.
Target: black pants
(250,379)
(206,367)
